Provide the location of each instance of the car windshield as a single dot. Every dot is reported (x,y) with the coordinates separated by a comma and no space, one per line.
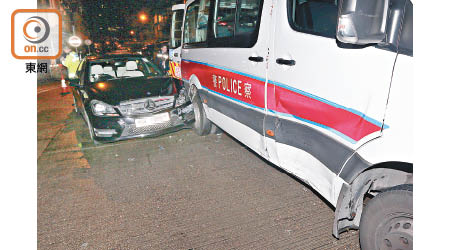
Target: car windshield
(118,68)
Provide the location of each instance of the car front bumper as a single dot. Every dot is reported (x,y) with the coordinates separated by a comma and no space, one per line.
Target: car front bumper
(110,129)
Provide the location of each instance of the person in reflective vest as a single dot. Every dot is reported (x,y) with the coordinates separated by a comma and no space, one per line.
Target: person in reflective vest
(163,59)
(71,61)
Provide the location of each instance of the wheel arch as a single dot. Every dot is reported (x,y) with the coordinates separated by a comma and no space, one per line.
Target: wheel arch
(194,85)
(372,180)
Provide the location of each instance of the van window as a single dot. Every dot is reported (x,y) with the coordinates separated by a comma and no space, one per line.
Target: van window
(175,28)
(317,17)
(248,16)
(196,22)
(224,18)
(235,23)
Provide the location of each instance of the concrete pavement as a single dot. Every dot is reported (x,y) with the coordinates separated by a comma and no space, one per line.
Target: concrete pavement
(178,191)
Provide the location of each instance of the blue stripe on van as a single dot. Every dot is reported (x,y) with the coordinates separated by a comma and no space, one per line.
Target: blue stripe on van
(281,85)
(286,115)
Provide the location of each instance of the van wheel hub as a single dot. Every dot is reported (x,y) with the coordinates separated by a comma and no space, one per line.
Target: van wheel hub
(396,234)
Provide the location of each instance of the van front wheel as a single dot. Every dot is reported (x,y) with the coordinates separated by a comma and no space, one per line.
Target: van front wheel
(202,126)
(387,220)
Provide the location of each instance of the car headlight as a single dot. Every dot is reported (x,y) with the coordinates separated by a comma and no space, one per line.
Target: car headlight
(102,109)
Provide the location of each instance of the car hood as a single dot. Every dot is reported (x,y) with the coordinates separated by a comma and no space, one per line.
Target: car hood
(115,91)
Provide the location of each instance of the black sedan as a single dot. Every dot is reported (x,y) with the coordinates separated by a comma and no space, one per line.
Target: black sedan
(123,96)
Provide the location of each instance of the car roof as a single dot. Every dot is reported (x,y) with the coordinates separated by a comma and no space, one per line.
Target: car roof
(112,56)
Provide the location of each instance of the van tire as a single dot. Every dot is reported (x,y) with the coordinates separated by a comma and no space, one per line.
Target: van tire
(387,220)
(215,130)
(202,126)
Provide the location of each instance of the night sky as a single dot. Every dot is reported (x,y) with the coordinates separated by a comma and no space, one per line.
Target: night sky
(100,14)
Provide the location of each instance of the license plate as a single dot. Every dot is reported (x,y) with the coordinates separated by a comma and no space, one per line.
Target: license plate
(152,120)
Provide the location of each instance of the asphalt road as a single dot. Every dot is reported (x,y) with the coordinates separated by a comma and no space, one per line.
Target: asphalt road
(178,191)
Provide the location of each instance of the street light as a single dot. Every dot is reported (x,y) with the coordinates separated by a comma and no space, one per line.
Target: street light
(143,17)
(132,32)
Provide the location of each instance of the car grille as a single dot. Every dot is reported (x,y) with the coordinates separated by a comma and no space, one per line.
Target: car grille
(146,105)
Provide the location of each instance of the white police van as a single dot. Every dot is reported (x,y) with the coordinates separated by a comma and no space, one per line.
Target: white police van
(322,89)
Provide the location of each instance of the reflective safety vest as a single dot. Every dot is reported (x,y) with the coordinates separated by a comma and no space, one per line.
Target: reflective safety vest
(71,62)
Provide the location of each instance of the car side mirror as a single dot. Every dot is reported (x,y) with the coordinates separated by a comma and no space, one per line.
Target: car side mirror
(362,21)
(75,83)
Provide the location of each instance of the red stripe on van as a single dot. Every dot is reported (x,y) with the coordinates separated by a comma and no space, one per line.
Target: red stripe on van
(290,102)
(281,100)
(232,87)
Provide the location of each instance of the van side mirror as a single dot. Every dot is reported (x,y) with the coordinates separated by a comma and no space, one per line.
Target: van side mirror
(362,21)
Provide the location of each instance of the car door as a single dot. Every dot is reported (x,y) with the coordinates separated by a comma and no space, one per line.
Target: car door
(328,99)
(230,64)
(76,91)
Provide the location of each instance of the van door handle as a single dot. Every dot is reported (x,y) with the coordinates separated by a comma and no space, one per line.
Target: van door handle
(285,62)
(175,54)
(256,58)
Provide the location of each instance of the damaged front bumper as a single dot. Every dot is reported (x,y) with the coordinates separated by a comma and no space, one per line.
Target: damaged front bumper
(110,129)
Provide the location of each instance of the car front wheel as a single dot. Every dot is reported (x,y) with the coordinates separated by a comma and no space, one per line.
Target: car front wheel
(387,220)
(91,132)
(75,104)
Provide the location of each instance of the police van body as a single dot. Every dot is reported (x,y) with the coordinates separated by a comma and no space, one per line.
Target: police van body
(335,112)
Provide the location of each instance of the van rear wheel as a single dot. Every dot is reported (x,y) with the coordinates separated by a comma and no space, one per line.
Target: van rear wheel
(202,126)
(387,220)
